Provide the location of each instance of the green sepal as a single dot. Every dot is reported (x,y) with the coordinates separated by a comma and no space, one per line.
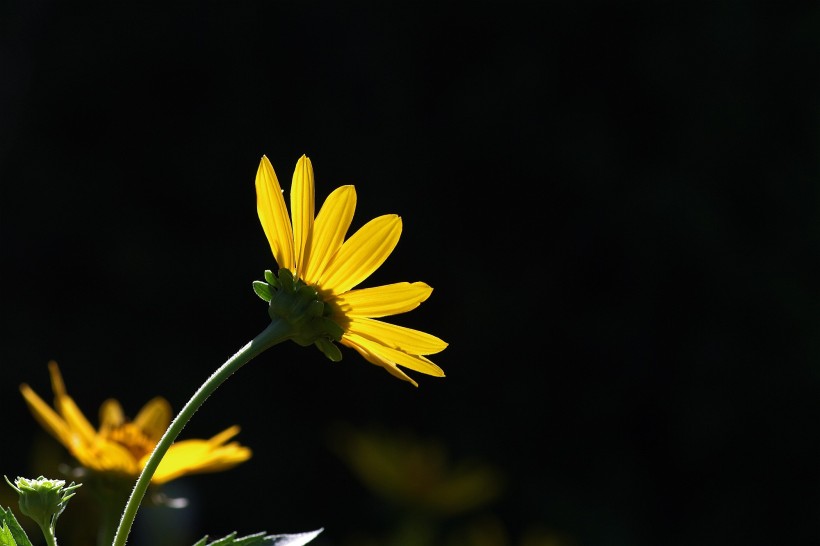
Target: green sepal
(332,328)
(329,349)
(286,279)
(262,290)
(299,305)
(271,278)
(261,539)
(12,533)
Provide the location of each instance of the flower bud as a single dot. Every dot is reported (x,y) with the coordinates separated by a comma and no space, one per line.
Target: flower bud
(42,499)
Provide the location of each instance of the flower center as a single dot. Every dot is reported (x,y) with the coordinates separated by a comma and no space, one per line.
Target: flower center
(131,438)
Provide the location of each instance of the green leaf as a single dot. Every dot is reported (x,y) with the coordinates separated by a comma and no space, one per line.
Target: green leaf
(225,541)
(5,536)
(250,539)
(261,539)
(18,535)
(298,539)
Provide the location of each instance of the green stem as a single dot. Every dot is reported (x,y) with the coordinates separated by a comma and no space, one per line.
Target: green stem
(276,332)
(48,533)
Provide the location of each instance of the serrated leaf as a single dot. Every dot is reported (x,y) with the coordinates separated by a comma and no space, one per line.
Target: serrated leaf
(17,533)
(227,540)
(250,540)
(297,539)
(5,536)
(260,539)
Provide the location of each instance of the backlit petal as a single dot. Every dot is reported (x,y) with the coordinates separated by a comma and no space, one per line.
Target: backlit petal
(225,435)
(302,208)
(111,415)
(362,254)
(66,407)
(196,456)
(47,417)
(398,337)
(375,358)
(273,214)
(411,361)
(382,301)
(329,231)
(154,418)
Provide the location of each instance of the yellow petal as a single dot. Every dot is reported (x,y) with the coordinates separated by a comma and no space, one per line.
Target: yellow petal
(65,405)
(329,231)
(362,254)
(375,358)
(111,415)
(225,435)
(396,357)
(397,337)
(273,214)
(302,206)
(382,301)
(154,418)
(47,417)
(197,456)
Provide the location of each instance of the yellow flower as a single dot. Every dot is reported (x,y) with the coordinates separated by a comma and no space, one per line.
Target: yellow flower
(122,447)
(316,253)
(416,473)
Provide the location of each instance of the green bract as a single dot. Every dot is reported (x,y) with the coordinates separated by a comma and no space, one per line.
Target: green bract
(298,304)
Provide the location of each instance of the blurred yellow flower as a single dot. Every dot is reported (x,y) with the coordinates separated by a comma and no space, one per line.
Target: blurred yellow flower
(122,447)
(315,251)
(416,473)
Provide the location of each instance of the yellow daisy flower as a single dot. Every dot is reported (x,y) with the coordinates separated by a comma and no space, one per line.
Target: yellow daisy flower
(314,253)
(417,473)
(122,447)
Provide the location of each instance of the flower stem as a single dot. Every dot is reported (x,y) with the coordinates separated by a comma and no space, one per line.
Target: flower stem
(48,533)
(276,332)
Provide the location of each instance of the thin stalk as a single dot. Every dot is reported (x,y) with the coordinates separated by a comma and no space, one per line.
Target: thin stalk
(48,533)
(276,332)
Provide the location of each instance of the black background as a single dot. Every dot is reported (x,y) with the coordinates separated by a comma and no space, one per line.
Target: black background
(616,203)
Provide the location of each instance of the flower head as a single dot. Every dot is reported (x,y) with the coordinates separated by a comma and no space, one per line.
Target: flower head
(311,250)
(122,447)
(43,500)
(413,472)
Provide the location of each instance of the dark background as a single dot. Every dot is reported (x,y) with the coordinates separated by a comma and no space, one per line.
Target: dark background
(618,205)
